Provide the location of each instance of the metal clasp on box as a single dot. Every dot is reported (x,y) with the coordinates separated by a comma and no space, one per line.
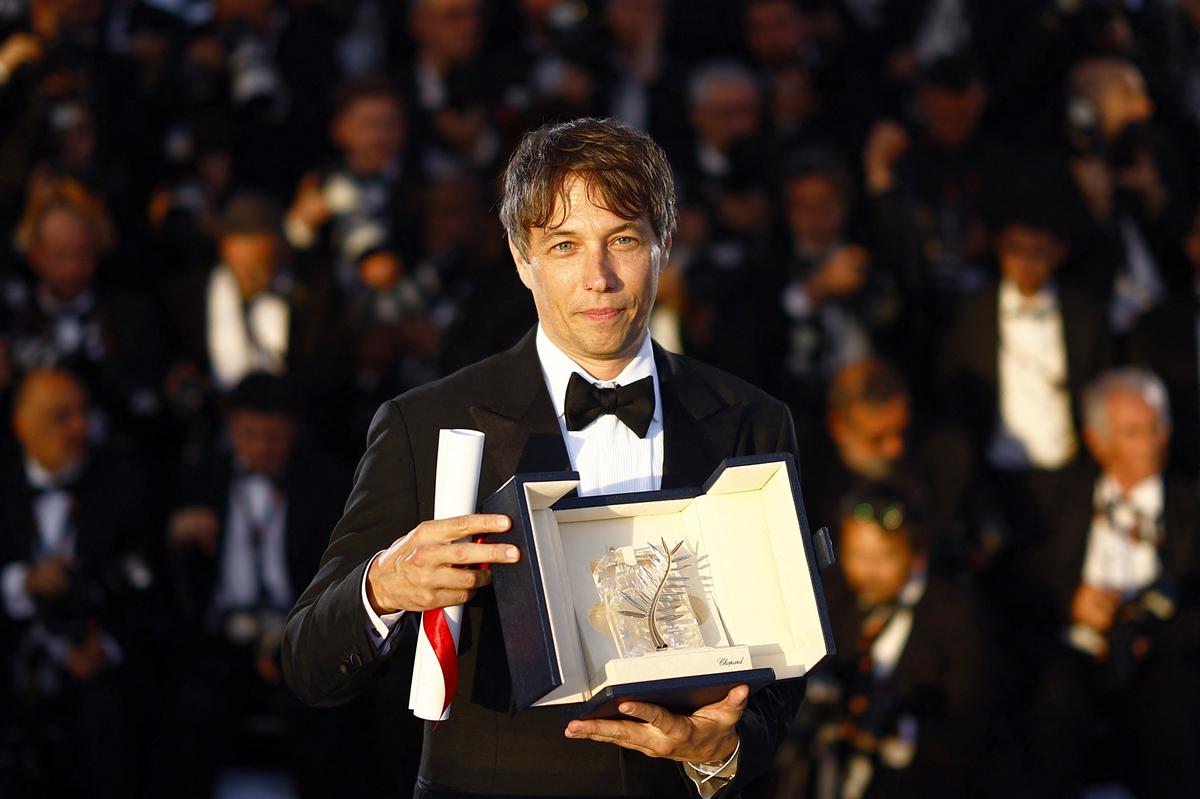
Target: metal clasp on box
(823,546)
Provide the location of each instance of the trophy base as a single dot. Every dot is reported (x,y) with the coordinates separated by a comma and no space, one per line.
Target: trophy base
(682,695)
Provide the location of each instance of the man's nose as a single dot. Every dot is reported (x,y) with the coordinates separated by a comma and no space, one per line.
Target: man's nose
(598,274)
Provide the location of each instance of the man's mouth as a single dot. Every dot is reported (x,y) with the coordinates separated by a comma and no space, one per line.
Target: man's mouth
(602,314)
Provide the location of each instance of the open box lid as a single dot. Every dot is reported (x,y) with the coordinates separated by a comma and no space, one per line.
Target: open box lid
(542,642)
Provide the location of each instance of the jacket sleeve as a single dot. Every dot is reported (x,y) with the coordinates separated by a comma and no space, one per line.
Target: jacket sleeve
(328,655)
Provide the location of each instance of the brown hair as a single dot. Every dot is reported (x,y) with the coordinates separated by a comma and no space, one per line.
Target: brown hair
(625,172)
(69,195)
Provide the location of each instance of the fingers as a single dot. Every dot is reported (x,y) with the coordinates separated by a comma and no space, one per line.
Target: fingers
(449,530)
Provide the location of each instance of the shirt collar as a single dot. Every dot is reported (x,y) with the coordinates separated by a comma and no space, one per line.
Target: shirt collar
(1012,301)
(557,368)
(43,479)
(1146,496)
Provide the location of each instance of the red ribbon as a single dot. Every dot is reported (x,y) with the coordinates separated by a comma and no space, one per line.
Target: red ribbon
(437,630)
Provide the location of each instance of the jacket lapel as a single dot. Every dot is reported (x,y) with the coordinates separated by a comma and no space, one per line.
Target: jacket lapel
(519,425)
(699,427)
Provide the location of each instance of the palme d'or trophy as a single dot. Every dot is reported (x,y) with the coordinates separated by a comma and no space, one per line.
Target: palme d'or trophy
(646,598)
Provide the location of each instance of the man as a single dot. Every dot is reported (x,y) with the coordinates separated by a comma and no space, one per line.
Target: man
(63,315)
(592,273)
(245,536)
(870,436)
(912,688)
(1120,577)
(71,580)
(1015,357)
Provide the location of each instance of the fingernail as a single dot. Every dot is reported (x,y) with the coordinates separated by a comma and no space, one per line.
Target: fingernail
(511,553)
(626,708)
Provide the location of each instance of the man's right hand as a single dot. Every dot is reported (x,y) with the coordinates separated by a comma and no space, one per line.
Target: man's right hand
(423,570)
(50,578)
(1095,607)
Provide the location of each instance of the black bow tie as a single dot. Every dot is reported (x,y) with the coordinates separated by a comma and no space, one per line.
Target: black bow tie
(632,404)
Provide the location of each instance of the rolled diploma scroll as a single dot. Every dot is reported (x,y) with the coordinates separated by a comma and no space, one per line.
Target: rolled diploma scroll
(460,454)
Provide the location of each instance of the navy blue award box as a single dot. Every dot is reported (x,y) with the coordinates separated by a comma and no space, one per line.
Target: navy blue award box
(757,583)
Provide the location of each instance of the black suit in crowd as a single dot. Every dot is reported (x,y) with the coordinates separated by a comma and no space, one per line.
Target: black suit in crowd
(219,690)
(91,718)
(1146,702)
(486,747)
(941,679)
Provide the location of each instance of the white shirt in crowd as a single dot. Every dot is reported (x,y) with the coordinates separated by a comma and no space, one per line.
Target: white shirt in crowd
(244,337)
(55,537)
(1122,547)
(1035,428)
(254,528)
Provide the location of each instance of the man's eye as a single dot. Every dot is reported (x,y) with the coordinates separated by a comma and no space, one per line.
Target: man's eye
(563,247)
(625,241)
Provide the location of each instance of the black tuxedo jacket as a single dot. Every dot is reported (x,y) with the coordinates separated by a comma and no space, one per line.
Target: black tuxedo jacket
(486,747)
(941,678)
(1166,343)
(970,360)
(313,488)
(1058,564)
(110,522)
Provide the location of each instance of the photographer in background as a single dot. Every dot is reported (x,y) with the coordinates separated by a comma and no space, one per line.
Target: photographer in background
(1120,576)
(903,699)
(71,523)
(248,530)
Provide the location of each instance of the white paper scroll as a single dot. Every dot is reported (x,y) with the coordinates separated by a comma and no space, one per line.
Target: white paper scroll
(460,454)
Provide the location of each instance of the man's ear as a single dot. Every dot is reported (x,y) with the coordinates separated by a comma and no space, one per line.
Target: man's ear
(666,252)
(519,260)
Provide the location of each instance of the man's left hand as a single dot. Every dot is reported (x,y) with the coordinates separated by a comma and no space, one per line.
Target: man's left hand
(706,736)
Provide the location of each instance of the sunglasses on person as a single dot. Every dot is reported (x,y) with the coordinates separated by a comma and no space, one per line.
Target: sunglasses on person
(889,516)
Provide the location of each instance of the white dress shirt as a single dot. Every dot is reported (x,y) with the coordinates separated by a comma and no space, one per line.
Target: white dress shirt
(257,510)
(609,457)
(1122,548)
(1035,428)
(55,537)
(244,338)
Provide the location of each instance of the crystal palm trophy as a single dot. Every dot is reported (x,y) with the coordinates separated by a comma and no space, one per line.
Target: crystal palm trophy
(644,592)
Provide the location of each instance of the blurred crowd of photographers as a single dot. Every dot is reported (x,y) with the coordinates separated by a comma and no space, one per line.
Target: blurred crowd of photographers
(960,238)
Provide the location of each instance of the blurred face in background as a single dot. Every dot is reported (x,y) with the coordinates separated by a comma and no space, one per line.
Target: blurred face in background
(449,31)
(950,118)
(774,31)
(370,131)
(1134,446)
(50,421)
(816,211)
(253,258)
(635,22)
(876,562)
(728,112)
(1028,256)
(870,437)
(63,253)
(262,440)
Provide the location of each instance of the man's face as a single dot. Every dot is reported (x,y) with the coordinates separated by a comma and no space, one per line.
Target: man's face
(253,258)
(1029,256)
(877,563)
(449,30)
(1135,445)
(262,441)
(63,254)
(729,114)
(593,276)
(871,438)
(951,117)
(51,422)
(774,32)
(635,21)
(1123,102)
(816,211)
(370,132)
